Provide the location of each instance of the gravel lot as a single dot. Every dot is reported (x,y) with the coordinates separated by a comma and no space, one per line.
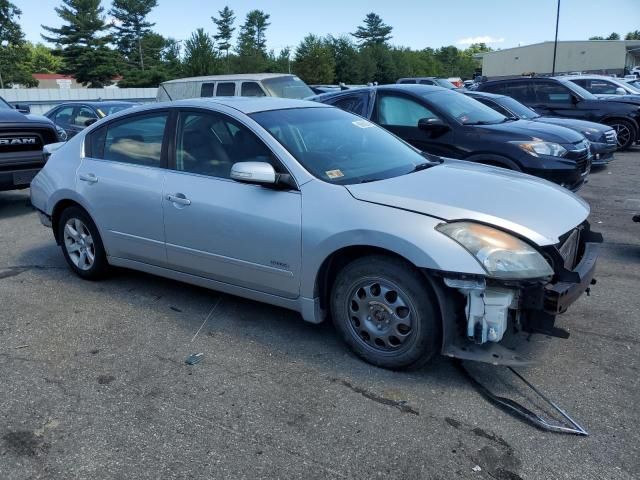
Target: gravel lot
(93,382)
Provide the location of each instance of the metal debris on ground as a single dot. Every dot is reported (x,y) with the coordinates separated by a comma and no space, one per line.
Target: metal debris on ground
(194,358)
(520,411)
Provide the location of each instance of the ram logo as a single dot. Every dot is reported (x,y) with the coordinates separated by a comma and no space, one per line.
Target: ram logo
(18,141)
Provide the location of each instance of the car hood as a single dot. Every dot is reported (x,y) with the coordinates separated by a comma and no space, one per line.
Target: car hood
(575,124)
(531,130)
(633,99)
(14,116)
(456,190)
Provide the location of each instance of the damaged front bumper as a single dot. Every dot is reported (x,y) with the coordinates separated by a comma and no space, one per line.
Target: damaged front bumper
(500,317)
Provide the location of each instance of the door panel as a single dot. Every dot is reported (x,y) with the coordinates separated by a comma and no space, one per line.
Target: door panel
(122,184)
(242,234)
(236,233)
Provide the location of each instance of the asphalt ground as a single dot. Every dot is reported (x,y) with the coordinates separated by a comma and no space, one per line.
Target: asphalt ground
(94,385)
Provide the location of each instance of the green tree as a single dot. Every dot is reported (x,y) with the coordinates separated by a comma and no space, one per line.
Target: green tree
(597,37)
(225,30)
(613,36)
(280,63)
(42,59)
(171,57)
(83,43)
(635,35)
(131,26)
(449,58)
(14,65)
(314,61)
(199,54)
(373,32)
(345,57)
(252,50)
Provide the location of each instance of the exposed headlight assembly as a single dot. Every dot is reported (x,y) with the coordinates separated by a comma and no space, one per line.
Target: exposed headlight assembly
(503,256)
(537,148)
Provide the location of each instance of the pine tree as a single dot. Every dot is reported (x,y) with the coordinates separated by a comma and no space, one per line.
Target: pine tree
(252,43)
(131,26)
(83,42)
(314,61)
(199,54)
(225,29)
(374,31)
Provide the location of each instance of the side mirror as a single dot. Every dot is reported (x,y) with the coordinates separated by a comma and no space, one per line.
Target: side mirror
(575,100)
(91,121)
(22,107)
(432,125)
(254,172)
(620,91)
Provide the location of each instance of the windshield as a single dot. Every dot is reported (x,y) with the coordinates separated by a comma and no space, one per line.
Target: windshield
(625,85)
(287,87)
(463,109)
(111,109)
(4,105)
(520,110)
(578,90)
(339,147)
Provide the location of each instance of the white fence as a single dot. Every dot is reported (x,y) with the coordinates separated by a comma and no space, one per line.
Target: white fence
(42,99)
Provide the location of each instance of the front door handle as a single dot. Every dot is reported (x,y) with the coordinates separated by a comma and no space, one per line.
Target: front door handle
(179,198)
(88,177)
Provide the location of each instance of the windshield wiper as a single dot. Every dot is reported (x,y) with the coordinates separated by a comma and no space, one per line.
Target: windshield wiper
(424,166)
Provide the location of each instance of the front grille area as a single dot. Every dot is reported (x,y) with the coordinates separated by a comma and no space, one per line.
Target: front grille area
(25,139)
(611,137)
(581,155)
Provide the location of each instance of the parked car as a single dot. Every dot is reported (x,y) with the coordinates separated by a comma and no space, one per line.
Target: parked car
(243,85)
(602,138)
(605,87)
(456,81)
(22,138)
(560,97)
(450,124)
(435,81)
(74,117)
(318,210)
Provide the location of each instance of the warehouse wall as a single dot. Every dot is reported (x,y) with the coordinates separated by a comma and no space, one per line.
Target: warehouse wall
(582,56)
(43,99)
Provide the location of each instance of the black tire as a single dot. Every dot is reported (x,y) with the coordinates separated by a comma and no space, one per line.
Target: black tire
(417,334)
(626,130)
(99,266)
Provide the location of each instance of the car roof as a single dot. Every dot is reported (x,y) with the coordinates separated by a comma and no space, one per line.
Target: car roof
(589,77)
(238,76)
(246,105)
(415,89)
(476,93)
(97,103)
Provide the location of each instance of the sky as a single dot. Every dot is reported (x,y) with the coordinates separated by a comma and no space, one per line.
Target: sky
(416,23)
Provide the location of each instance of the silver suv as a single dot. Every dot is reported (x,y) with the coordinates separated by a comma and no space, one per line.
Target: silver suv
(311,208)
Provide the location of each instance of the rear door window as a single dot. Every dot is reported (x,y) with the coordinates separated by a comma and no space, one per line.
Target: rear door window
(251,89)
(136,140)
(521,91)
(206,90)
(226,89)
(353,103)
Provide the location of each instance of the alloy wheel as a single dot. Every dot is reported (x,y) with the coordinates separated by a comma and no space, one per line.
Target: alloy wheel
(79,244)
(381,315)
(623,133)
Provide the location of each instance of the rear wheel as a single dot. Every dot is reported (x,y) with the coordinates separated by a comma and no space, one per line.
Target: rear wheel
(625,130)
(385,311)
(81,244)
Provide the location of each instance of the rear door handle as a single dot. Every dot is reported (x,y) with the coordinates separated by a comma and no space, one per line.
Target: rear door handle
(179,198)
(88,177)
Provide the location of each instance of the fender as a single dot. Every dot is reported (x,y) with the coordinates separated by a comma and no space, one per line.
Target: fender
(500,160)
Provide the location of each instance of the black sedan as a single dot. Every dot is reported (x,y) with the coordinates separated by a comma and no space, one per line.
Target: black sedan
(75,116)
(450,124)
(602,138)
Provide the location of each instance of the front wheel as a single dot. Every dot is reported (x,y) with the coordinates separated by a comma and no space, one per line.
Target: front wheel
(625,131)
(81,244)
(385,311)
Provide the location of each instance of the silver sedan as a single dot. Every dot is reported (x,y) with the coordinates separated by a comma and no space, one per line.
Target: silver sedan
(310,208)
